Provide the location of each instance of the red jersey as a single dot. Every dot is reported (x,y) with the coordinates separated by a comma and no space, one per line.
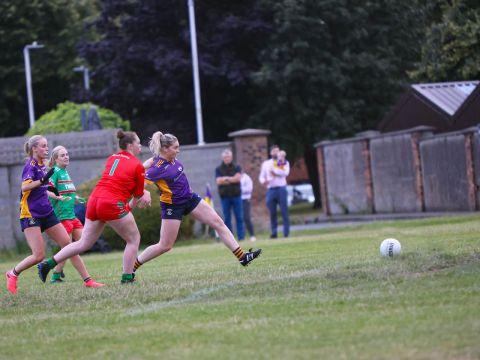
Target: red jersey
(123,178)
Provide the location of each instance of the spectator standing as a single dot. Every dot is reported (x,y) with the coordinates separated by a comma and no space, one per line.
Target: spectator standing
(228,177)
(274,176)
(246,186)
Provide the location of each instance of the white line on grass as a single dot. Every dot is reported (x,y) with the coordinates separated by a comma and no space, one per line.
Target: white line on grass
(199,294)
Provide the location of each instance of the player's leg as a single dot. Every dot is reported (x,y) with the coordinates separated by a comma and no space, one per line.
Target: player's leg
(168,235)
(57,273)
(90,234)
(36,243)
(207,215)
(127,229)
(61,237)
(227,212)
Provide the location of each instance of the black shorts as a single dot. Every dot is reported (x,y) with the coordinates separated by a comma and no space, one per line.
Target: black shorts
(44,223)
(177,211)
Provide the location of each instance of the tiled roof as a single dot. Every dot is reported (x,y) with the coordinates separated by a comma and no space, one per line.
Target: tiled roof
(447,96)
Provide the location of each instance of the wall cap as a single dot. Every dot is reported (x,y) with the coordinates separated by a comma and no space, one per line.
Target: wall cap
(249,132)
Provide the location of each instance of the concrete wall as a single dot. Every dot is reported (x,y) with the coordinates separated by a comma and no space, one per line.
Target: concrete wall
(345,177)
(394,161)
(445,173)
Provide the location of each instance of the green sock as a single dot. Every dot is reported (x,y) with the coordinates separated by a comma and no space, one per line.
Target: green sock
(127,278)
(51,263)
(56,276)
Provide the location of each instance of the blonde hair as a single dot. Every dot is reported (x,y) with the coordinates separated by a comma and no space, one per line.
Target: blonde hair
(33,141)
(54,156)
(160,140)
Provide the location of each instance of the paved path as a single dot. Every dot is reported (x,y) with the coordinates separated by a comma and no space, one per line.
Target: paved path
(324,222)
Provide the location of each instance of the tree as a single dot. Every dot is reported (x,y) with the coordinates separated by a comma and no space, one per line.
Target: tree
(332,68)
(143,63)
(58,24)
(66,118)
(451,51)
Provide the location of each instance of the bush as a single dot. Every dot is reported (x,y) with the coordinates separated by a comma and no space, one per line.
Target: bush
(66,118)
(148,220)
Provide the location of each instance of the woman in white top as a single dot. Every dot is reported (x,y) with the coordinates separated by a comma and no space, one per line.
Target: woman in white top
(246,185)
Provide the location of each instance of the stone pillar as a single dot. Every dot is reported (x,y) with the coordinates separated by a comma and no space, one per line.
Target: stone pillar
(250,149)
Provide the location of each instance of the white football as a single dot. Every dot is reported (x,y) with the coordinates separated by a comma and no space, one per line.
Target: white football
(390,248)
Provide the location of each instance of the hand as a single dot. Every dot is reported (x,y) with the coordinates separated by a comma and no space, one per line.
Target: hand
(81,200)
(54,190)
(145,200)
(47,176)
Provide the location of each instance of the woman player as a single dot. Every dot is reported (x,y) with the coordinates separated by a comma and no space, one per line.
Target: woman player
(37,215)
(122,178)
(178,200)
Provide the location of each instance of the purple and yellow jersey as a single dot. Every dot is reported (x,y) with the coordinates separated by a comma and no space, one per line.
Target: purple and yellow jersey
(170,180)
(34,203)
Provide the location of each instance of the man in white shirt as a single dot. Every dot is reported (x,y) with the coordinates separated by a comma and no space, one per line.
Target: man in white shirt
(273,175)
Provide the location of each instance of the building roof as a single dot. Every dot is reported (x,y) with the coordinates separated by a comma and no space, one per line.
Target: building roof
(448,96)
(448,106)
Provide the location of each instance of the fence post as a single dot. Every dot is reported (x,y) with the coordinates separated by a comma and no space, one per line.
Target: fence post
(323,181)
(472,187)
(368,175)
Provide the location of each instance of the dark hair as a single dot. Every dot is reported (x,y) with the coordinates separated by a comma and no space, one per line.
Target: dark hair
(125,138)
(274,146)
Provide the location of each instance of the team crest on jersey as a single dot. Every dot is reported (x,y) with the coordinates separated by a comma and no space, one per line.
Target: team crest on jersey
(180,168)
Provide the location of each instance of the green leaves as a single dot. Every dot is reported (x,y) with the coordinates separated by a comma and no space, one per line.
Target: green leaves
(57,24)
(451,51)
(66,118)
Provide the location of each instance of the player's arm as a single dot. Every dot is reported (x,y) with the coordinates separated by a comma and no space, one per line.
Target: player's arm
(147,163)
(29,184)
(141,195)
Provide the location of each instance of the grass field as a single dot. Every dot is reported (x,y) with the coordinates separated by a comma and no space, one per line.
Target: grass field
(317,295)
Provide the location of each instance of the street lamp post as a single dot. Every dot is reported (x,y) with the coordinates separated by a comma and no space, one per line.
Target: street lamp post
(28,77)
(196,78)
(86,76)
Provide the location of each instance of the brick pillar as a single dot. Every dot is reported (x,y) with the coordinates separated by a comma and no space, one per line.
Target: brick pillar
(250,149)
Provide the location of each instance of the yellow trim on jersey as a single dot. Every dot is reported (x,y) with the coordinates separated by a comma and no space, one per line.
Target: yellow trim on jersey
(24,210)
(166,195)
